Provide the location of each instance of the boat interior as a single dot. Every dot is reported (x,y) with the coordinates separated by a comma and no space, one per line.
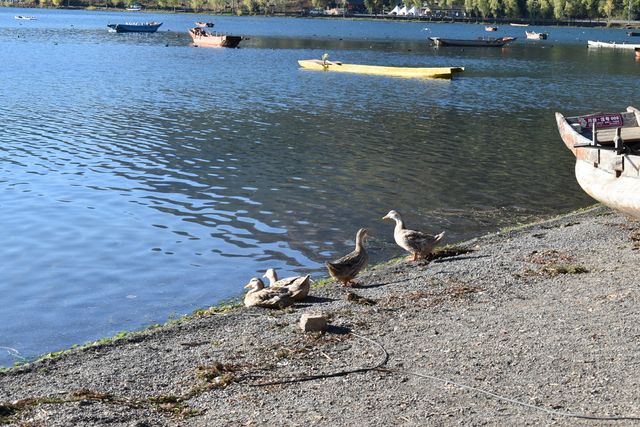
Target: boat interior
(604,128)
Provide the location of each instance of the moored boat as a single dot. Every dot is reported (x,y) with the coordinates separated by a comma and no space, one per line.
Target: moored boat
(204,24)
(607,151)
(25,17)
(202,38)
(633,33)
(637,50)
(592,43)
(489,28)
(536,36)
(134,8)
(135,27)
(479,42)
(415,72)
(516,24)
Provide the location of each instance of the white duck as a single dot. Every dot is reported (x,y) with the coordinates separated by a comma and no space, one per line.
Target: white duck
(416,242)
(298,286)
(258,296)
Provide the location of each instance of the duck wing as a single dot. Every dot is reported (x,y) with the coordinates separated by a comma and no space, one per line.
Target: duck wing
(349,265)
(298,286)
(420,241)
(273,298)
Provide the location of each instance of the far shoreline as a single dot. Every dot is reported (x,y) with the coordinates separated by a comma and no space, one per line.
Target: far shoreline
(576,23)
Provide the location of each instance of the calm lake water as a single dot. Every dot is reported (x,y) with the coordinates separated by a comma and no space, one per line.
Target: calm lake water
(142,178)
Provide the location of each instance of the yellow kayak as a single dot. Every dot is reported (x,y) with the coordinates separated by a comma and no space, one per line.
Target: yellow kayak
(419,72)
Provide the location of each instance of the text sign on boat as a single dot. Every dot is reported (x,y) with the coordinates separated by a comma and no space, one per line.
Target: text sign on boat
(602,120)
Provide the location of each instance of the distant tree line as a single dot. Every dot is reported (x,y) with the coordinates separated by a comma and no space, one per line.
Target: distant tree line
(533,10)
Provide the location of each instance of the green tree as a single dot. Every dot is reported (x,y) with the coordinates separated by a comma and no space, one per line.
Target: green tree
(196,5)
(590,8)
(558,8)
(608,8)
(373,6)
(483,7)
(495,7)
(512,8)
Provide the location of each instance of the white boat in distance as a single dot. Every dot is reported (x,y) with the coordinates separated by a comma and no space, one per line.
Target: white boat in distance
(592,43)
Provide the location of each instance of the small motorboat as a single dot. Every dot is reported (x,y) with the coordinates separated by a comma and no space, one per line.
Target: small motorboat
(491,28)
(416,72)
(135,27)
(479,42)
(633,33)
(25,17)
(204,24)
(607,151)
(202,38)
(532,35)
(134,8)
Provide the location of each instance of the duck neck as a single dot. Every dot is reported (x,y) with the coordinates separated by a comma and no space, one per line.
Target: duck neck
(359,241)
(399,224)
(272,277)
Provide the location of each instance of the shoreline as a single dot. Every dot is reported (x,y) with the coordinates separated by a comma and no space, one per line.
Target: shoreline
(544,313)
(236,303)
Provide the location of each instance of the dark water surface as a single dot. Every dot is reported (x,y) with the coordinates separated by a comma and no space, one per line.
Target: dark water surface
(142,178)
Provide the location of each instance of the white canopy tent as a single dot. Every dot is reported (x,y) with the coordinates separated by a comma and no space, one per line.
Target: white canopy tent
(403,11)
(394,11)
(412,11)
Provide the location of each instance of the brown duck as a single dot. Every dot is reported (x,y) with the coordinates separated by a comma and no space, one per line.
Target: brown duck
(258,296)
(348,267)
(298,286)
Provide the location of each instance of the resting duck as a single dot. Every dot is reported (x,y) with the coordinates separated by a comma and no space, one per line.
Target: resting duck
(298,286)
(416,242)
(258,296)
(348,267)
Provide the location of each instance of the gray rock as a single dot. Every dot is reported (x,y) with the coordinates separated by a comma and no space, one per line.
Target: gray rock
(313,322)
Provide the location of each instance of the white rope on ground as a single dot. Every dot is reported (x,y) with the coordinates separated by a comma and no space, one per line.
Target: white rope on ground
(385,357)
(514,401)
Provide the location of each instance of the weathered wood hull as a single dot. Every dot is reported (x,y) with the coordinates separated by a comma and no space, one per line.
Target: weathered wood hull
(203,39)
(532,35)
(150,27)
(592,43)
(415,72)
(489,42)
(611,178)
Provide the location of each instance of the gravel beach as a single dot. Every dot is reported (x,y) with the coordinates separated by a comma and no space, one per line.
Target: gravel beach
(530,326)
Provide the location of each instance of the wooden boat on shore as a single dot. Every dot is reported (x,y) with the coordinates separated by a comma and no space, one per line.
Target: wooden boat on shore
(135,27)
(204,24)
(489,28)
(411,72)
(536,36)
(607,151)
(202,38)
(594,44)
(479,42)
